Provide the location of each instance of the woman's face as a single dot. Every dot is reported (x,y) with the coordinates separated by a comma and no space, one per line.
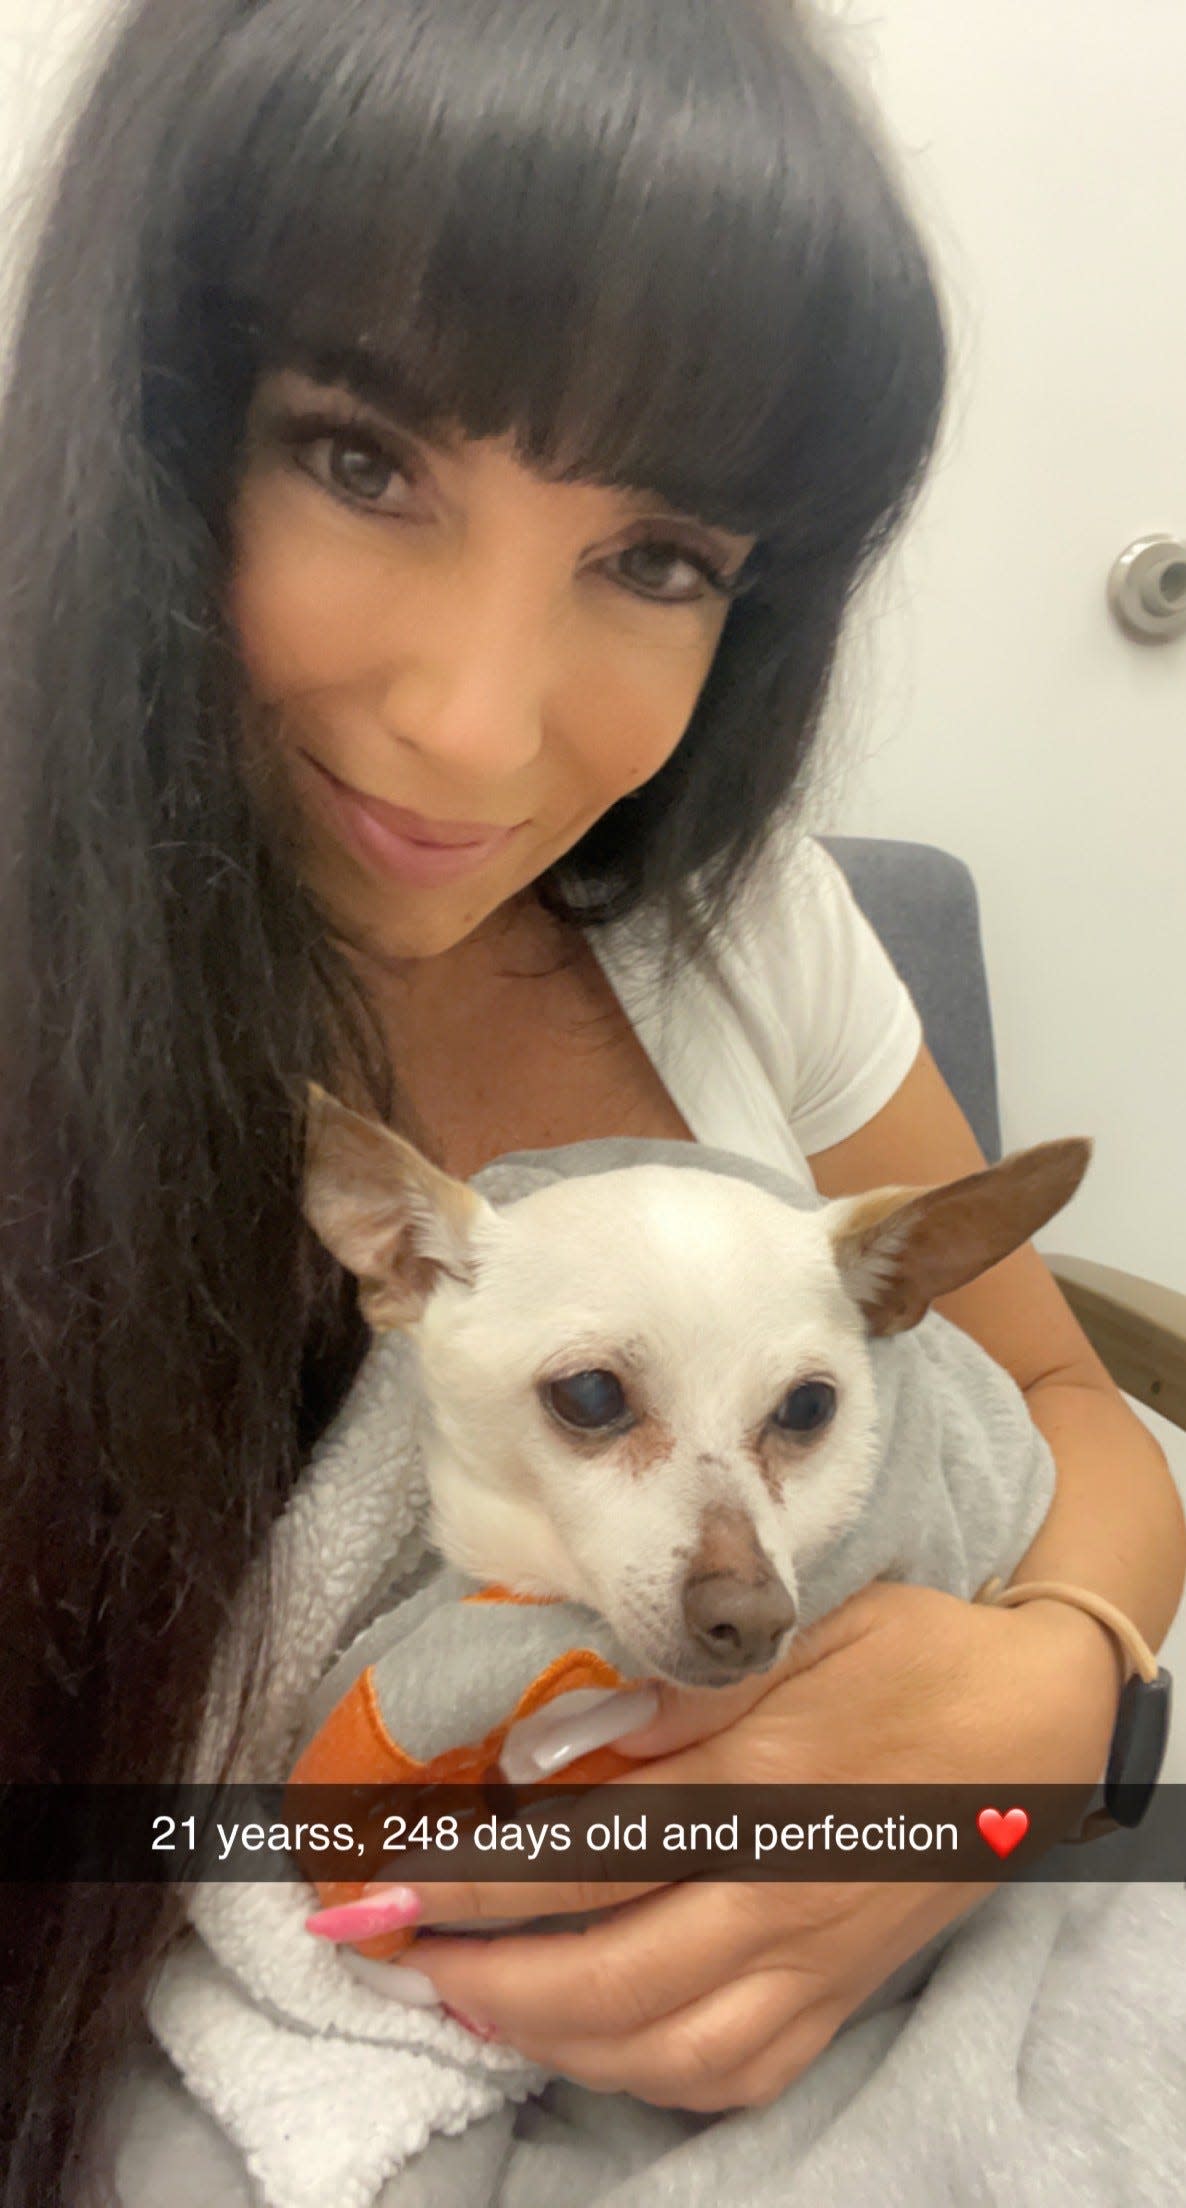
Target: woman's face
(440,631)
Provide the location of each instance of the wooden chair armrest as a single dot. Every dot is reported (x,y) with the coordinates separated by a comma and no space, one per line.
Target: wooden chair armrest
(1136,1327)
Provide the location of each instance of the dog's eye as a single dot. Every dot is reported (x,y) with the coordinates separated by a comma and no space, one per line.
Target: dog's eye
(586,1400)
(806,1408)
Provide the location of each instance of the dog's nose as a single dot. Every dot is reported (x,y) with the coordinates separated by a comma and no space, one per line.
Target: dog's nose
(739,1622)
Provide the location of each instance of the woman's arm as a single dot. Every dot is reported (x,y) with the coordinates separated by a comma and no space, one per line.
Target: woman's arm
(1116,1524)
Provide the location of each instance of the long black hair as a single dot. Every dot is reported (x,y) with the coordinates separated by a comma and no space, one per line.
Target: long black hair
(662,242)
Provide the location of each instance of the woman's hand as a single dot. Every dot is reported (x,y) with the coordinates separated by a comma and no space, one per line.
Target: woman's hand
(706,1997)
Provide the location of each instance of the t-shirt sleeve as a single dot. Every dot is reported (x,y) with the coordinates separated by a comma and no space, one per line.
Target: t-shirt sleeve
(841,1028)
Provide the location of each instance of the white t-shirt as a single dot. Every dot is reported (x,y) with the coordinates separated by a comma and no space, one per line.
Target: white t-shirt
(801,1038)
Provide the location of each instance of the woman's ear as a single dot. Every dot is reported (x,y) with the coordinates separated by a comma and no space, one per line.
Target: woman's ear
(393,1220)
(898,1249)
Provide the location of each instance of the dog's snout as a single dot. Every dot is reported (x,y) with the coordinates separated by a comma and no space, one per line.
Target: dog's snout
(738,1622)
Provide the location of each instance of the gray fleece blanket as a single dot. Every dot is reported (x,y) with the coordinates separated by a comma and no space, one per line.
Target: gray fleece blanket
(1032,2053)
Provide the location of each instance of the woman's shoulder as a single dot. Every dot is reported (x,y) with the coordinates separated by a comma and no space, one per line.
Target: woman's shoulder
(796,911)
(825,1008)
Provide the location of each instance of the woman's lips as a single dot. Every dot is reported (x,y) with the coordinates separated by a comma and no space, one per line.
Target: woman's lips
(404,845)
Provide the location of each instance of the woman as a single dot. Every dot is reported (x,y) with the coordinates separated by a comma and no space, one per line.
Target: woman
(486,412)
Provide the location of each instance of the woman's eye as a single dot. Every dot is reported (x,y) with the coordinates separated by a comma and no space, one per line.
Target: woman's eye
(660,559)
(587,1401)
(806,1408)
(352,463)
(355,466)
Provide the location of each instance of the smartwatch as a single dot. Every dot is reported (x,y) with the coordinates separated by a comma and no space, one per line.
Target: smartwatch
(1136,1755)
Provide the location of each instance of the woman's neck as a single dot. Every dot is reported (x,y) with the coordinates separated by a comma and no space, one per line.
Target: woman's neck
(516,943)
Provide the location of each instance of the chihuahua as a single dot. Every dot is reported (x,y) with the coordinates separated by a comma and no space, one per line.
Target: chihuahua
(650,1391)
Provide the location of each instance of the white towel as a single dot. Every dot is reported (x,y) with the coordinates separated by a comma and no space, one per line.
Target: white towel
(324,2085)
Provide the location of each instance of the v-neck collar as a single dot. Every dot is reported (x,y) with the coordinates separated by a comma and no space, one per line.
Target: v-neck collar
(698,1039)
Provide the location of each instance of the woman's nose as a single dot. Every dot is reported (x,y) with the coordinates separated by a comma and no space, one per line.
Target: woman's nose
(469,691)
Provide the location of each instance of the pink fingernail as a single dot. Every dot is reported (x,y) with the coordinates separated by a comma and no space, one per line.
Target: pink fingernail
(363,1920)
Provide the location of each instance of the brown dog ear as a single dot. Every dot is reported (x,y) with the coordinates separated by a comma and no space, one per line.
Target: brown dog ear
(392,1219)
(898,1249)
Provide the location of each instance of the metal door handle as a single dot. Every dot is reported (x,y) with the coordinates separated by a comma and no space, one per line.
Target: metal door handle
(1147,588)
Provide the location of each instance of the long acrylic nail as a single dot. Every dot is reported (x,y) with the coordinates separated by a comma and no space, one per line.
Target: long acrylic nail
(365,1919)
(550,1738)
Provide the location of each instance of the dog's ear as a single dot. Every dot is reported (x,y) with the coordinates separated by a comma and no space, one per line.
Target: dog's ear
(897,1249)
(390,1217)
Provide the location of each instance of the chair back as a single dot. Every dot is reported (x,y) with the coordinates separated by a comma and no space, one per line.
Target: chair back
(922,903)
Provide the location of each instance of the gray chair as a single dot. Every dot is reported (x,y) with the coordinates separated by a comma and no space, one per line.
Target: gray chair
(922,903)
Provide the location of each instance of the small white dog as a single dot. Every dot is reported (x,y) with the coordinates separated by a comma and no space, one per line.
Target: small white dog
(650,1390)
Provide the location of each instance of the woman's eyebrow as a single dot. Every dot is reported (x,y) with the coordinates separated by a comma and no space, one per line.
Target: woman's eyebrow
(378,382)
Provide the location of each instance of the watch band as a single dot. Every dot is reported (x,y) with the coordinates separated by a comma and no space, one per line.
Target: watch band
(1142,1724)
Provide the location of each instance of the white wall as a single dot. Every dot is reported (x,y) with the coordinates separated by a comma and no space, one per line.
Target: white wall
(40,45)
(991,703)
(988,702)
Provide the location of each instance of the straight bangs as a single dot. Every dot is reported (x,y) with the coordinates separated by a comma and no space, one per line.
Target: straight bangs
(648,239)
